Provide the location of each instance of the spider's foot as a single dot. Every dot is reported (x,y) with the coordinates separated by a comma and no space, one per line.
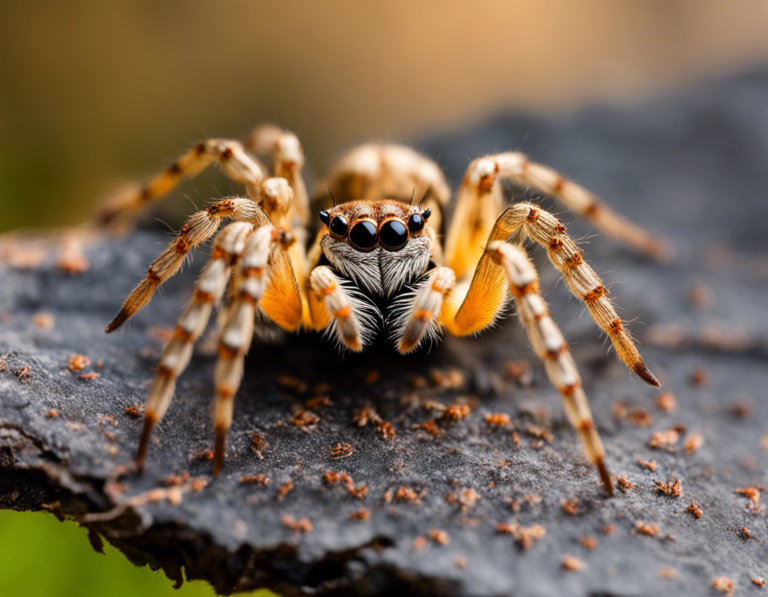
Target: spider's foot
(646,375)
(605,477)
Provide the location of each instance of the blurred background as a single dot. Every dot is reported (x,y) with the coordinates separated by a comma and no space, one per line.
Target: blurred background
(94,93)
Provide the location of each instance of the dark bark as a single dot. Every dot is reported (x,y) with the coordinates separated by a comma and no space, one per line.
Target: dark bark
(691,167)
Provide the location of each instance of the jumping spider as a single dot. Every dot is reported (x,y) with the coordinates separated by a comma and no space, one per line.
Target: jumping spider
(376,260)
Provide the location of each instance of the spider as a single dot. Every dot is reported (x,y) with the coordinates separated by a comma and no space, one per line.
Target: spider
(376,263)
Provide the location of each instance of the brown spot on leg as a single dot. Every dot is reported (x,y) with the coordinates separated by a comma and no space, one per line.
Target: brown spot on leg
(146,432)
(555,244)
(591,210)
(615,327)
(594,295)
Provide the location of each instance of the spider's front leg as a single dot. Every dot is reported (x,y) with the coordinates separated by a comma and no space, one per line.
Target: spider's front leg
(339,308)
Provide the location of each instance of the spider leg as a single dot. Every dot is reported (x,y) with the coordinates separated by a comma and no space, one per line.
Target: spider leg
(288,160)
(488,289)
(198,228)
(550,346)
(175,357)
(479,197)
(234,161)
(338,308)
(417,314)
(237,331)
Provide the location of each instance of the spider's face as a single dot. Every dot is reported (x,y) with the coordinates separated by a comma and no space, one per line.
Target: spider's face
(380,245)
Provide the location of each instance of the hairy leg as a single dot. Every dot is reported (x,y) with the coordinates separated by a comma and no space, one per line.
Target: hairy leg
(416,315)
(340,309)
(175,357)
(550,346)
(488,290)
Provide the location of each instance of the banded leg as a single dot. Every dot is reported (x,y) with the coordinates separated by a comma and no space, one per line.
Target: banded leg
(288,160)
(237,332)
(478,205)
(234,161)
(175,357)
(417,314)
(550,346)
(339,309)
(198,228)
(487,292)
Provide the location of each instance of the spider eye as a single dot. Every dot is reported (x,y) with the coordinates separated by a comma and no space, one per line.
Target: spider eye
(393,235)
(364,236)
(427,212)
(339,226)
(325,217)
(416,223)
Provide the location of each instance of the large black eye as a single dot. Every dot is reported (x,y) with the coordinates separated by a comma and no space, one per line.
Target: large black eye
(339,226)
(364,236)
(416,223)
(393,235)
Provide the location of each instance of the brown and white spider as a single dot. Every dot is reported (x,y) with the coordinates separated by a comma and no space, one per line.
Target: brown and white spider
(376,263)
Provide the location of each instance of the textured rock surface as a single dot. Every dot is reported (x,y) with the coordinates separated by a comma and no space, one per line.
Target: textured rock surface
(691,167)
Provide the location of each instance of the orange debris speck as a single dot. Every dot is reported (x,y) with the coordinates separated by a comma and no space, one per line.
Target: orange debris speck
(302,525)
(259,479)
(497,419)
(456,412)
(693,442)
(753,493)
(625,485)
(134,411)
(571,563)
(342,450)
(439,536)
(284,489)
(571,506)
(695,509)
(666,402)
(44,320)
(664,439)
(723,584)
(647,529)
(259,445)
(360,515)
(671,489)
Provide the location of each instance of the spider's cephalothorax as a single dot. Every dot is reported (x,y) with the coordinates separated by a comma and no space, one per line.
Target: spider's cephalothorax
(377,260)
(379,245)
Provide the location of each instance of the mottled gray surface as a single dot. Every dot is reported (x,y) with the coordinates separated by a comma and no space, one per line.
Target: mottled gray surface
(691,167)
